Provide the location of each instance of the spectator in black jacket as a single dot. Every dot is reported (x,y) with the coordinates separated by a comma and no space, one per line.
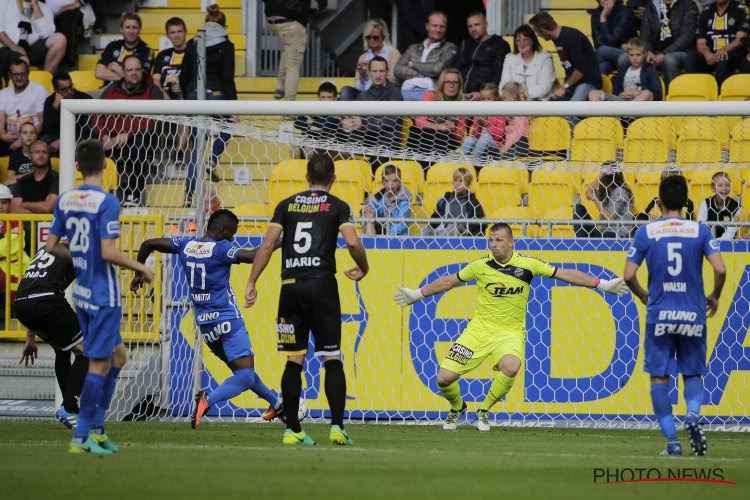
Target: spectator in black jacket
(287,19)
(374,131)
(612,25)
(481,56)
(457,204)
(640,82)
(64,89)
(220,85)
(318,128)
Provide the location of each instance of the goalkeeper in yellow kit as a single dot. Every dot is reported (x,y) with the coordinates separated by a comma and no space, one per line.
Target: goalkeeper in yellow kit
(499,325)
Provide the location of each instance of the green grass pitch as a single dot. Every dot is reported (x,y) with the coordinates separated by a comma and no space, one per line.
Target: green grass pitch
(221,460)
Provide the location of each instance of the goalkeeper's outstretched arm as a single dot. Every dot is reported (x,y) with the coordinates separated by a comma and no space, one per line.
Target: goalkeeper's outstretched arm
(616,286)
(408,296)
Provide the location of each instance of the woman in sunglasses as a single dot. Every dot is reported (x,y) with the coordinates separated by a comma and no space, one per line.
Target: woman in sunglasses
(377,42)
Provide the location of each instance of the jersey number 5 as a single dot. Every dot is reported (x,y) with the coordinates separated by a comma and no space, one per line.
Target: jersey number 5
(675,258)
(302,237)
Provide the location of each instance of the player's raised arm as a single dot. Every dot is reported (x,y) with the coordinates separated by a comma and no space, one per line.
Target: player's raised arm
(720,275)
(357,251)
(260,261)
(407,296)
(110,253)
(149,246)
(574,277)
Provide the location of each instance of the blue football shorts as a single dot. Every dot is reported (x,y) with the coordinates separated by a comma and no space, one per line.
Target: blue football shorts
(101,329)
(669,350)
(227,339)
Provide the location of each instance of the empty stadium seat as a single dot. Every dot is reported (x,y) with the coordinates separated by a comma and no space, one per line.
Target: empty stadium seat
(358,167)
(349,185)
(500,187)
(596,139)
(510,215)
(699,140)
(42,77)
(693,87)
(649,139)
(287,178)
(252,210)
(552,189)
(85,81)
(549,134)
(557,230)
(739,145)
(735,88)
(645,189)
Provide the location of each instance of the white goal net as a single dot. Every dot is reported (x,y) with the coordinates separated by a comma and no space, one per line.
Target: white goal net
(572,179)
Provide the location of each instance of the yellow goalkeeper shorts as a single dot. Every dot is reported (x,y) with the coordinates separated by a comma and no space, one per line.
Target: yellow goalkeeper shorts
(475,344)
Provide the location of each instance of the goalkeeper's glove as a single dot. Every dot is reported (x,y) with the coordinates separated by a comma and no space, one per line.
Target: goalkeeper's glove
(616,286)
(407,296)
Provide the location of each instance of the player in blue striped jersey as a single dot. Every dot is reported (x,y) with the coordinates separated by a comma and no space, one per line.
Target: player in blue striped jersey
(676,307)
(207,263)
(89,218)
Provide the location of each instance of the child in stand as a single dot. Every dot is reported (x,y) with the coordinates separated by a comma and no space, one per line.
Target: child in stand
(487,130)
(720,207)
(457,204)
(515,142)
(318,128)
(19,163)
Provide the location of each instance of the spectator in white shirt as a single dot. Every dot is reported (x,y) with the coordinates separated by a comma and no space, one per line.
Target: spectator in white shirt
(529,64)
(31,34)
(21,102)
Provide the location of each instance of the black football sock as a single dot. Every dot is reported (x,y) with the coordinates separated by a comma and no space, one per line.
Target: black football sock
(75,381)
(335,387)
(62,370)
(291,388)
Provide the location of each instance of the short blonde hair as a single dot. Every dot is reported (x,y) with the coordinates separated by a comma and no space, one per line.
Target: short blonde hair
(516,90)
(370,25)
(636,43)
(463,173)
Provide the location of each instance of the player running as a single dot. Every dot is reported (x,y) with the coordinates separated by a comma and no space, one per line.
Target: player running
(676,307)
(42,308)
(309,297)
(498,328)
(207,263)
(89,218)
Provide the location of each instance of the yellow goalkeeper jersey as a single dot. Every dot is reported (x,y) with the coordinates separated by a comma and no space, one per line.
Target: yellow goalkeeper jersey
(503,290)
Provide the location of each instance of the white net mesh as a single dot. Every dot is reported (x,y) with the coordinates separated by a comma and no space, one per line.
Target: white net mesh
(573,190)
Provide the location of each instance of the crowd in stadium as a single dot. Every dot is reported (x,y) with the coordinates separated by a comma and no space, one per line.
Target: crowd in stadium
(638,46)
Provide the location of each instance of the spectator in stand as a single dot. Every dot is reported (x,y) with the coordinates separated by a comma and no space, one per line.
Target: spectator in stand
(392,203)
(440,134)
(720,207)
(168,62)
(577,58)
(14,268)
(19,163)
(128,139)
(31,34)
(20,102)
(37,192)
(318,128)
(69,22)
(457,204)
(481,56)
(668,30)
(640,82)
(721,29)
(689,205)
(516,134)
(219,86)
(376,131)
(287,19)
(411,16)
(377,42)
(423,62)
(638,8)
(486,131)
(110,65)
(64,89)
(614,200)
(530,65)
(612,25)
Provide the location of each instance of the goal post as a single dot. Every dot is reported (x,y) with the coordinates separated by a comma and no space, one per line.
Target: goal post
(583,350)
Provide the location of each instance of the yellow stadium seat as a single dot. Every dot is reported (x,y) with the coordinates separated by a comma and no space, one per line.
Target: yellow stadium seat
(592,150)
(596,140)
(418,212)
(252,210)
(360,167)
(4,160)
(42,77)
(111,178)
(85,81)
(606,84)
(739,145)
(649,139)
(735,88)
(557,230)
(412,177)
(552,189)
(287,178)
(646,189)
(500,187)
(699,140)
(440,179)
(549,133)
(693,87)
(510,215)
(349,186)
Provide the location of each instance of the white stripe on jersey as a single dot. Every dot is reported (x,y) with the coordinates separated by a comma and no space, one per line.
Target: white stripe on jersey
(114,296)
(233,302)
